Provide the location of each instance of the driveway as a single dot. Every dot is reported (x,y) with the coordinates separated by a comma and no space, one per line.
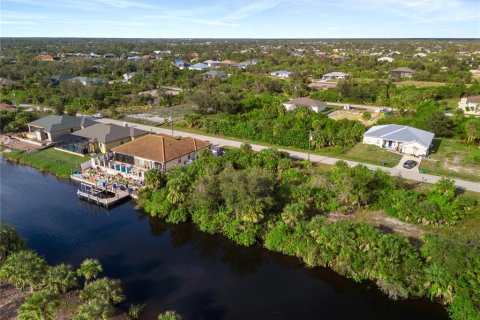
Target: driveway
(407,174)
(399,166)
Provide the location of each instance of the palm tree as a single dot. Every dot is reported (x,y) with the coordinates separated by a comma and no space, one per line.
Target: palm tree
(24,269)
(169,315)
(40,305)
(89,269)
(94,309)
(108,290)
(10,241)
(60,279)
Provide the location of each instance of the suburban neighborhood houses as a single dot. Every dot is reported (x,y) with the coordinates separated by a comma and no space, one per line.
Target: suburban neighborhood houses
(151,152)
(312,104)
(402,72)
(470,105)
(253,159)
(100,138)
(335,76)
(403,139)
(51,128)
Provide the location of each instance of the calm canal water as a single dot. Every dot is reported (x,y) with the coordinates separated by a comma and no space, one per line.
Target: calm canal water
(177,267)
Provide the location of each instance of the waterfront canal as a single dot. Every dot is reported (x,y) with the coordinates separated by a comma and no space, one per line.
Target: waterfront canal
(177,267)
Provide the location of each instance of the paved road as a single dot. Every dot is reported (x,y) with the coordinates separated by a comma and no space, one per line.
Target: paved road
(407,174)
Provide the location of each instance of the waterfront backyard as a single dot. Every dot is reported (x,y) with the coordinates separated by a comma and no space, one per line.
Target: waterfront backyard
(59,163)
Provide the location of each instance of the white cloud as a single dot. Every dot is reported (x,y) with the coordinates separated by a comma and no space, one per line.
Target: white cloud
(422,11)
(250,9)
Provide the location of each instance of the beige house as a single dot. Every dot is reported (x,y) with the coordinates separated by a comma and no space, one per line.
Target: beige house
(51,128)
(159,151)
(470,105)
(312,104)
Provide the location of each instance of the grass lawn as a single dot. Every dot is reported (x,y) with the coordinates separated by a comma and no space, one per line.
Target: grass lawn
(419,84)
(49,160)
(371,154)
(453,159)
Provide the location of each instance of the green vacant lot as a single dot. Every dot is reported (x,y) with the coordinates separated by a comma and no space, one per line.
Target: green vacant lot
(50,160)
(372,155)
(453,159)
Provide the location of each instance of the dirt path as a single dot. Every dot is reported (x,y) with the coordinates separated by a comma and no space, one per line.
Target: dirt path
(10,301)
(381,221)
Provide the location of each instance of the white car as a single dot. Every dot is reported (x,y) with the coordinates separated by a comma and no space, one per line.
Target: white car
(97,116)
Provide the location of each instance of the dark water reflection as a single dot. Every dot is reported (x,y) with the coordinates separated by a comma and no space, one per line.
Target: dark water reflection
(177,267)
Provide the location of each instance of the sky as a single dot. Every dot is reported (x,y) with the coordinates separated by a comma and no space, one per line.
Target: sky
(241,18)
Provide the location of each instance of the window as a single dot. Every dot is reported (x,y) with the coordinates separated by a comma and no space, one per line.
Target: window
(189,156)
(179,160)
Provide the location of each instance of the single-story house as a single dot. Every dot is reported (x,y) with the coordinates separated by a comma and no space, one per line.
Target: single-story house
(134,58)
(385,59)
(335,76)
(130,75)
(281,74)
(212,63)
(420,55)
(181,64)
(228,63)
(403,139)
(401,72)
(101,138)
(199,66)
(50,128)
(58,78)
(159,151)
(215,74)
(470,105)
(247,63)
(86,80)
(312,104)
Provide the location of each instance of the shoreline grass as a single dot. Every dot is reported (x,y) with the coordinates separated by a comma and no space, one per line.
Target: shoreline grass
(56,162)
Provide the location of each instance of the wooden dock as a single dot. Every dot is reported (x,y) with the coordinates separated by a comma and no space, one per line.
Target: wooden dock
(106,202)
(100,196)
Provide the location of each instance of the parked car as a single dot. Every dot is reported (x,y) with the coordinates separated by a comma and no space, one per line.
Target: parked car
(409,164)
(97,116)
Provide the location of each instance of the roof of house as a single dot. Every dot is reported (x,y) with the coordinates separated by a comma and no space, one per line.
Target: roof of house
(401,133)
(216,73)
(247,63)
(160,148)
(60,77)
(306,102)
(281,72)
(335,74)
(229,62)
(403,69)
(105,133)
(55,123)
(87,80)
(198,66)
(475,99)
(211,61)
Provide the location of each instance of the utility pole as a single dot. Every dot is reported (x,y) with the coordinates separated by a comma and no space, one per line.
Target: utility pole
(171,121)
